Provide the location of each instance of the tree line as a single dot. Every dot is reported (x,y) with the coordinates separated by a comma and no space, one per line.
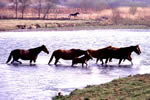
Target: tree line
(42,8)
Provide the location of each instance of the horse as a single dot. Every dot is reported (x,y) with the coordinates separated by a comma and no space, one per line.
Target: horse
(74,14)
(66,54)
(30,54)
(83,60)
(122,53)
(99,54)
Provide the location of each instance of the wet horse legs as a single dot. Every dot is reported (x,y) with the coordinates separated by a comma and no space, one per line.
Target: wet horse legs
(56,61)
(130,59)
(120,61)
(16,59)
(100,60)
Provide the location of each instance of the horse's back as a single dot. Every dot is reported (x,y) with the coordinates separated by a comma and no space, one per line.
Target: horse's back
(15,51)
(60,51)
(99,52)
(68,54)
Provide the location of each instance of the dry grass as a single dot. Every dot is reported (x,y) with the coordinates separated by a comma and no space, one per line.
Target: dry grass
(11,24)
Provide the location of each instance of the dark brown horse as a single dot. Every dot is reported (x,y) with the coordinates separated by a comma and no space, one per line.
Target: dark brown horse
(75,14)
(83,60)
(30,54)
(100,54)
(66,54)
(123,53)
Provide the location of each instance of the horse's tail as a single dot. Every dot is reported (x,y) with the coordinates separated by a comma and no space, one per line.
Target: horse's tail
(51,57)
(9,58)
(69,16)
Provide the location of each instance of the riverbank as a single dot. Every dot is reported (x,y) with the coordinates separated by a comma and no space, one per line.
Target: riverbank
(62,25)
(130,88)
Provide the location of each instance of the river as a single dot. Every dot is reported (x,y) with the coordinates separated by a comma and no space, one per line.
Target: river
(43,81)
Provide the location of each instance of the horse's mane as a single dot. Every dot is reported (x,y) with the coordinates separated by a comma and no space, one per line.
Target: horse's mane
(130,47)
(37,49)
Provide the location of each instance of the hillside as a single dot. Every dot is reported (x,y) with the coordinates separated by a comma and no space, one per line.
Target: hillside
(110,3)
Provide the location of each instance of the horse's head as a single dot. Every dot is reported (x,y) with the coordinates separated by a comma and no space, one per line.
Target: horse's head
(137,49)
(88,55)
(45,49)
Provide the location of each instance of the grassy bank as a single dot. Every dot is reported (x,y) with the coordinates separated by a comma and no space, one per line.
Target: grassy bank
(130,88)
(12,24)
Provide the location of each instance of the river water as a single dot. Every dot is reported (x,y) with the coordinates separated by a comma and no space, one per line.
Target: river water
(42,81)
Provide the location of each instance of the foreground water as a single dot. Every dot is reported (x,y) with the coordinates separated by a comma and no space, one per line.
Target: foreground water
(42,82)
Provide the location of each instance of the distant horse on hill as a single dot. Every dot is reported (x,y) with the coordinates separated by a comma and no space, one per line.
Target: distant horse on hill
(74,14)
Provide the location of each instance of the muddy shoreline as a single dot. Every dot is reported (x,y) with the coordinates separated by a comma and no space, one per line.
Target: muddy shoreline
(63,25)
(79,28)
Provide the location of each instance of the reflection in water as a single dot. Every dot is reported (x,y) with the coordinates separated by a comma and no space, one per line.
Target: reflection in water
(42,81)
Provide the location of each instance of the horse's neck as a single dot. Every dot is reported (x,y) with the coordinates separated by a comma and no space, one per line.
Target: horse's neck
(128,49)
(36,50)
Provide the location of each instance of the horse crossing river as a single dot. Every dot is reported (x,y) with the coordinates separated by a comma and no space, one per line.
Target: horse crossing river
(42,81)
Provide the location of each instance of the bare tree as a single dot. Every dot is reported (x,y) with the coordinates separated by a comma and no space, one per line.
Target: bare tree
(39,8)
(24,5)
(115,15)
(49,4)
(133,10)
(16,3)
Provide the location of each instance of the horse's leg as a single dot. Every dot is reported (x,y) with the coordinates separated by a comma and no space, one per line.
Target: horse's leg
(12,61)
(69,16)
(56,61)
(16,59)
(72,64)
(110,59)
(131,62)
(34,60)
(106,60)
(124,60)
(86,64)
(19,62)
(130,59)
(120,61)
(97,60)
(102,61)
(30,61)
(82,65)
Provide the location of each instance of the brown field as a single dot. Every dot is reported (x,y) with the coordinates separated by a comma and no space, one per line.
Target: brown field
(88,13)
(58,18)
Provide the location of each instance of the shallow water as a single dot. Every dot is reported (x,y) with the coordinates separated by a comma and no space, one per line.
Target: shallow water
(42,82)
